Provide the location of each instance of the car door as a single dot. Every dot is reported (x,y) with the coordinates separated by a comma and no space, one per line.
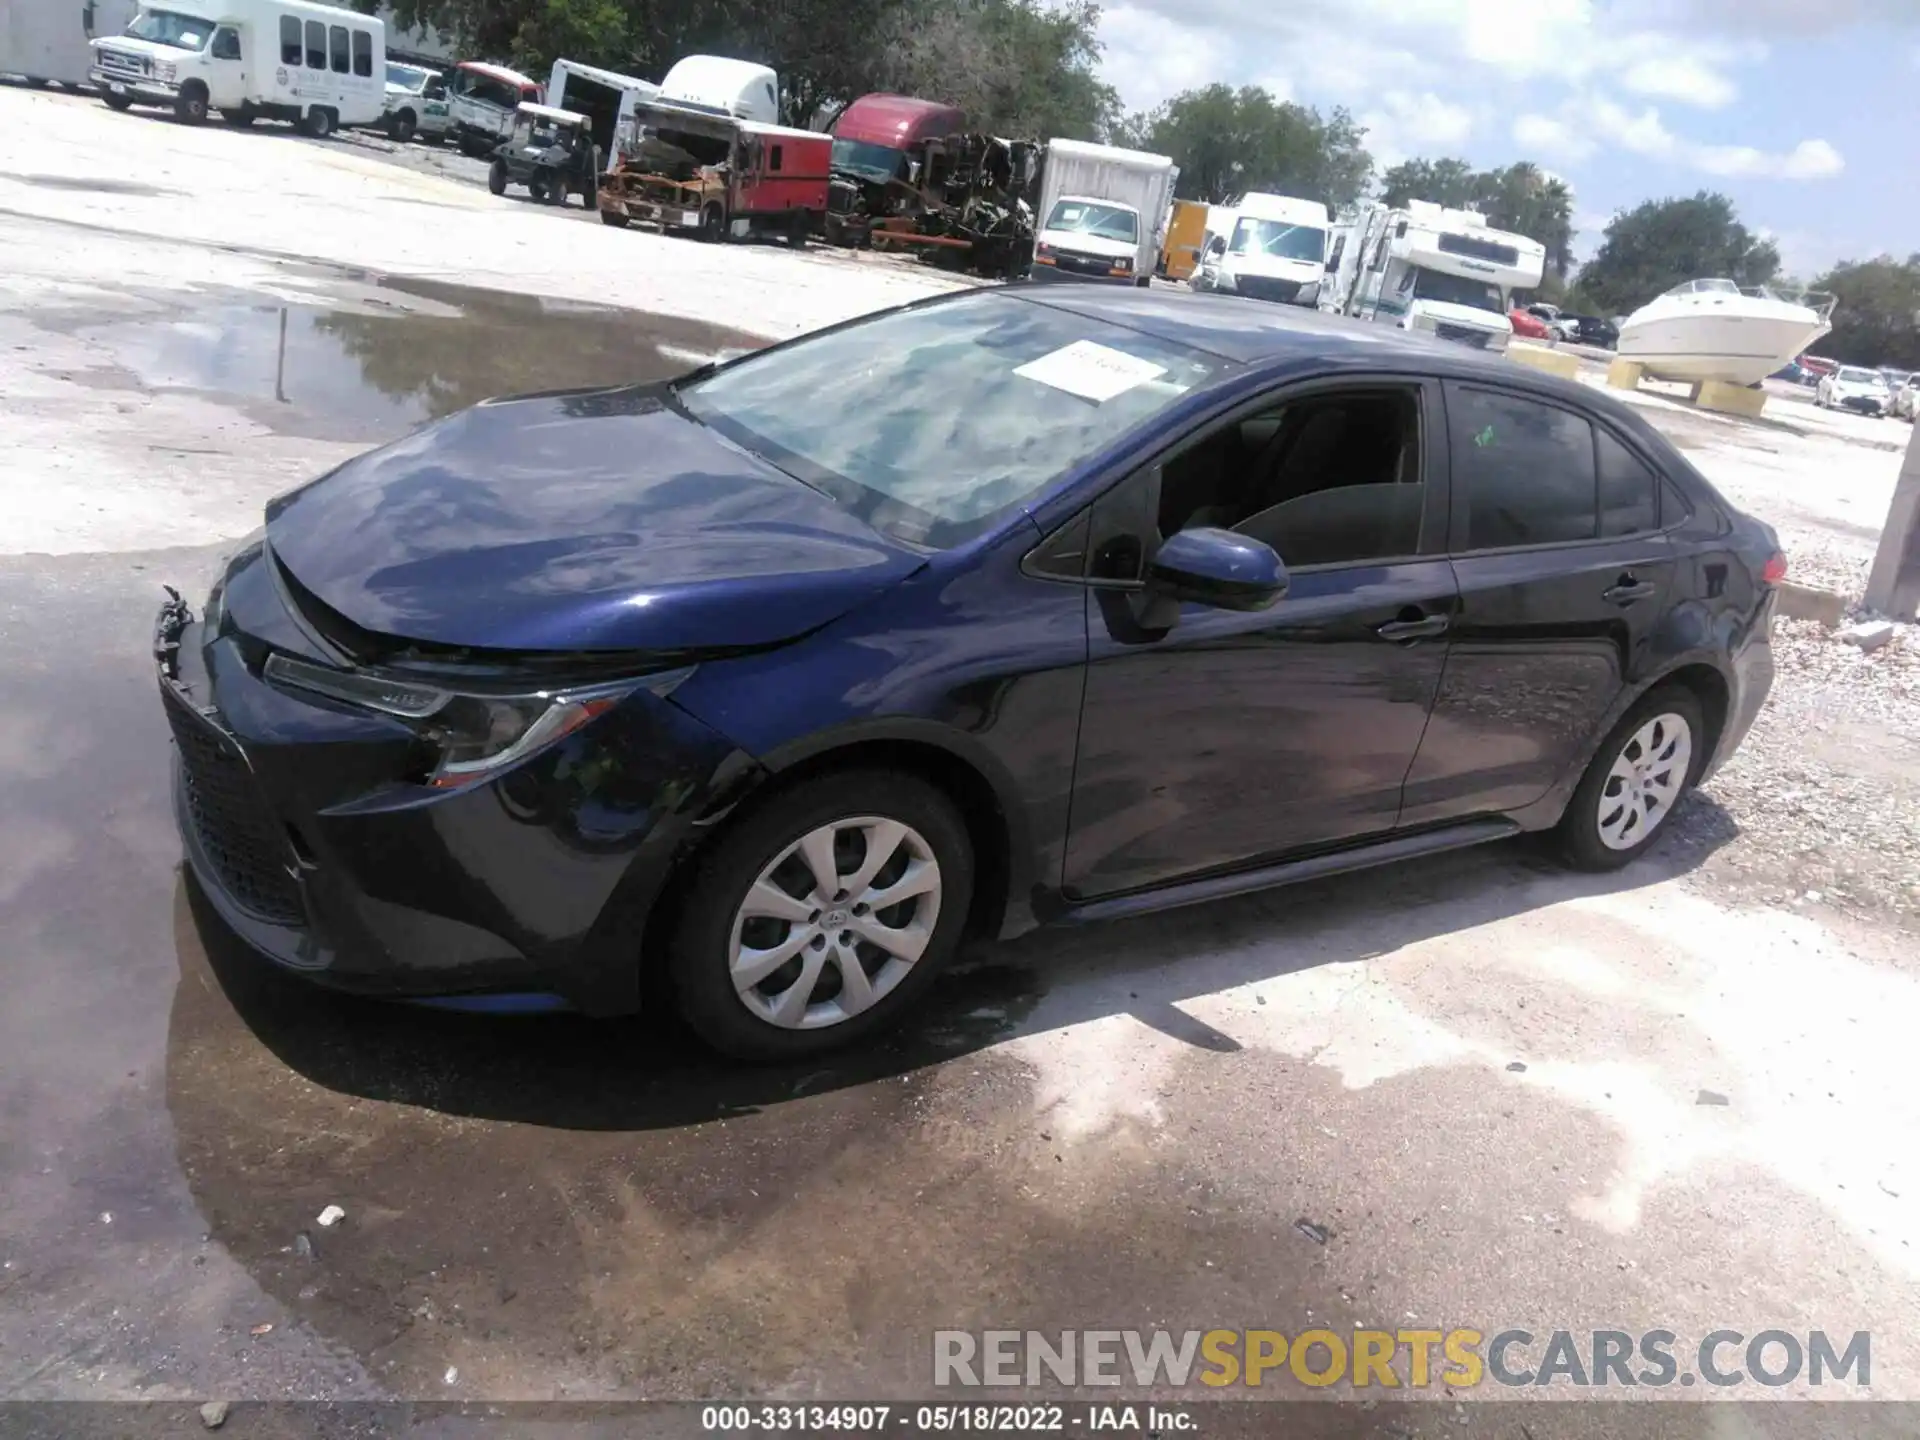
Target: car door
(1228,738)
(1563,573)
(226,69)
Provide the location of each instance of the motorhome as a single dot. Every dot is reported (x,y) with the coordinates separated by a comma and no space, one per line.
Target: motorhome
(606,97)
(721,86)
(1425,267)
(312,65)
(482,100)
(45,41)
(1266,247)
(1102,213)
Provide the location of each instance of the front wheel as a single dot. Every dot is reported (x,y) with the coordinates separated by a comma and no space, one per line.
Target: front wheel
(117,102)
(190,105)
(401,131)
(823,915)
(1637,778)
(713,224)
(497,177)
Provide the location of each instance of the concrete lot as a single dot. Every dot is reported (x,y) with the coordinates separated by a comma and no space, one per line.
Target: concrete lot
(1497,1094)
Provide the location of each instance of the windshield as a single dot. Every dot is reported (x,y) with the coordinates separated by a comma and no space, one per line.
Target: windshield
(167,27)
(408,77)
(865,159)
(1457,290)
(1279,241)
(1108,222)
(932,423)
(1854,375)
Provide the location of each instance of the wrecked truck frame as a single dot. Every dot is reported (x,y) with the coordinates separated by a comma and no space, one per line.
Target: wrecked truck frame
(962,202)
(688,170)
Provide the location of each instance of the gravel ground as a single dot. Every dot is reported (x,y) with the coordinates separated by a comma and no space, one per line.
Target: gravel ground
(1821,806)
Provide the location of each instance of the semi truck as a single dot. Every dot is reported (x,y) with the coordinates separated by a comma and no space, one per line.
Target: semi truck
(46,41)
(878,154)
(1102,213)
(1429,268)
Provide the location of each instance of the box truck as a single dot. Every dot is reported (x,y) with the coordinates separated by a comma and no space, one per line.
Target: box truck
(606,97)
(1102,213)
(46,40)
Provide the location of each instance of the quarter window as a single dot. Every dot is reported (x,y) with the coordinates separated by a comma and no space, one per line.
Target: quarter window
(1528,470)
(342,60)
(362,53)
(289,40)
(316,45)
(774,163)
(1629,503)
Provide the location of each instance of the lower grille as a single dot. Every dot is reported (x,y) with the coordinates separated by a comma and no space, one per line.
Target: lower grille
(1465,335)
(1265,287)
(231,820)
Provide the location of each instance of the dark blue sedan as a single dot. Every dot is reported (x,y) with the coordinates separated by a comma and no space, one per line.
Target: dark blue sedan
(1009,608)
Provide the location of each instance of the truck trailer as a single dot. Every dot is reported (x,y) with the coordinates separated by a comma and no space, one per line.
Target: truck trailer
(46,41)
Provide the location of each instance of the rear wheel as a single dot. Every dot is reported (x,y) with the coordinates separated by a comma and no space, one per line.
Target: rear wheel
(1637,778)
(823,915)
(319,122)
(190,105)
(404,124)
(497,177)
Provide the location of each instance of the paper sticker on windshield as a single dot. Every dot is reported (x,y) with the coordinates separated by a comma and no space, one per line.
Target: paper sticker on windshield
(1093,372)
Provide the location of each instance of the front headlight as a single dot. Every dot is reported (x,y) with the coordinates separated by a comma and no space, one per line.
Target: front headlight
(478,735)
(165,71)
(1223,280)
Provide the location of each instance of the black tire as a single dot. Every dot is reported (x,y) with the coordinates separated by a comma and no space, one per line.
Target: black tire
(1595,798)
(614,218)
(402,128)
(36,82)
(190,105)
(117,102)
(497,177)
(239,119)
(713,223)
(701,945)
(318,122)
(556,190)
(799,230)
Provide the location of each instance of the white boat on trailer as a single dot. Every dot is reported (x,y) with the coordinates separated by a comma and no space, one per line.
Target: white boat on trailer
(1717,330)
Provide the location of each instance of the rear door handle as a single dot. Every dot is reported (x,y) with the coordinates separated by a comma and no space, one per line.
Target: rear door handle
(1626,590)
(1420,629)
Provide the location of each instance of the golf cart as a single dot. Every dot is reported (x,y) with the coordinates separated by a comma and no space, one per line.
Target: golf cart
(549,151)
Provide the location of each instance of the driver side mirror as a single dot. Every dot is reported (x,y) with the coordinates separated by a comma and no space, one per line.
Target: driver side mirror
(1205,566)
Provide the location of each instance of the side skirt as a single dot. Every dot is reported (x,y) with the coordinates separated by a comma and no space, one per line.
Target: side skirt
(1292,872)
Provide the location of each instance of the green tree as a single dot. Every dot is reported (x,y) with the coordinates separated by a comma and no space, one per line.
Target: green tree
(1229,141)
(1876,320)
(1521,198)
(1659,243)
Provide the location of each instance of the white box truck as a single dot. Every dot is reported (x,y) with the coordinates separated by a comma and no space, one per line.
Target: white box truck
(606,97)
(45,41)
(1103,212)
(311,65)
(1266,247)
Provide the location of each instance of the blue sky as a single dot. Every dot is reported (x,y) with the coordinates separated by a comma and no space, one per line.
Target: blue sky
(1804,111)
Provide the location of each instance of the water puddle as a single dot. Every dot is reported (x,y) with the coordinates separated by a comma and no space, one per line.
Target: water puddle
(409,352)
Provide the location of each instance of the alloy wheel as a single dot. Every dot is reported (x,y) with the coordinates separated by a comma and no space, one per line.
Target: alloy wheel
(1647,778)
(835,922)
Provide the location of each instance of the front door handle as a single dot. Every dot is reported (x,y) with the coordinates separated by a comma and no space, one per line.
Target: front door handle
(1626,590)
(1419,628)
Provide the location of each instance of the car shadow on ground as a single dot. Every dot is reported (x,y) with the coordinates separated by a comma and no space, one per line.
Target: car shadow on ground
(648,1072)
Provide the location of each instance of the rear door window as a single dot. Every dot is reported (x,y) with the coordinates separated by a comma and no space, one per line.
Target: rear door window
(1527,469)
(1629,491)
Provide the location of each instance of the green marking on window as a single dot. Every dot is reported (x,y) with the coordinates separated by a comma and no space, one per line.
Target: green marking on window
(1484,438)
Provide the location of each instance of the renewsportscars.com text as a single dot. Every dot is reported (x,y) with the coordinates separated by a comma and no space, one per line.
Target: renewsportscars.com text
(1395,1359)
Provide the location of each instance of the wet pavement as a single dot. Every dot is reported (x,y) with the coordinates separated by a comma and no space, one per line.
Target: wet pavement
(1463,1091)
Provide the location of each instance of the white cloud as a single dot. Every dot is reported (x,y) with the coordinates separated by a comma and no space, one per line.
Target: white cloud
(1406,123)
(1809,160)
(1681,76)
(1544,135)
(1151,57)
(1643,134)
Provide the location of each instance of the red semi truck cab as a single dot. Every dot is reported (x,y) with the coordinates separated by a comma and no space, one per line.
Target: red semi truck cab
(874,138)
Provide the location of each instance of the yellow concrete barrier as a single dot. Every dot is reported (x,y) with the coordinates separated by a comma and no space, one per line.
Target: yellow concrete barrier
(1729,399)
(1625,374)
(1554,362)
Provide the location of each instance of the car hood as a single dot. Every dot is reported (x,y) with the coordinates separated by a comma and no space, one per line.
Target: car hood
(585,520)
(1079,242)
(1274,267)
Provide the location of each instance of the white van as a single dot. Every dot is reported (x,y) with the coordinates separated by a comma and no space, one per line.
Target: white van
(714,83)
(481,101)
(312,65)
(1267,247)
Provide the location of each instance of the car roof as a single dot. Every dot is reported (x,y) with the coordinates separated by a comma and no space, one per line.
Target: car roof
(1279,339)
